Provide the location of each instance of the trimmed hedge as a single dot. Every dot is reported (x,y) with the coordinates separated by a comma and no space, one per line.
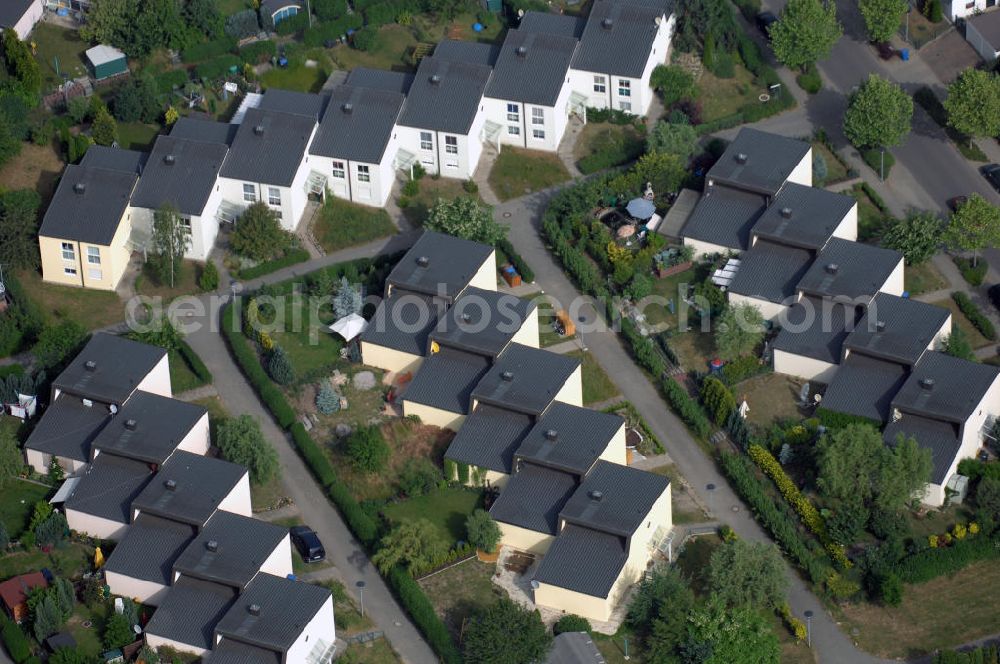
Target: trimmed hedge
(193,361)
(833,420)
(686,408)
(527,274)
(975,316)
(292,257)
(14,639)
(362,525)
(413,599)
(318,463)
(932,563)
(332,31)
(973,274)
(217,67)
(258,52)
(208,50)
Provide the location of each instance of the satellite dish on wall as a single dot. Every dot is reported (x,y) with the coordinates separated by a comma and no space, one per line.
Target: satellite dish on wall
(520,13)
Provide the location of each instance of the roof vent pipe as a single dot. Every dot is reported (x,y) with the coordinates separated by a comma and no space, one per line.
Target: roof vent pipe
(466,317)
(212,545)
(507,376)
(90,365)
(254,609)
(521,51)
(880,326)
(786,213)
(741,158)
(552,435)
(259,130)
(131,424)
(170,485)
(927,384)
(80,187)
(832,268)
(607,24)
(169,159)
(435,79)
(347,108)
(596,496)
(423,261)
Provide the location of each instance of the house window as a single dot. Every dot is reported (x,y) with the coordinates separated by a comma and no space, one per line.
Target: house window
(451,163)
(94,255)
(363,174)
(426,140)
(514,131)
(338,170)
(186,225)
(599,85)
(538,134)
(625,106)
(624,88)
(513,113)
(250,193)
(94,274)
(69,271)
(538,116)
(451,144)
(273,196)
(68,251)
(970,5)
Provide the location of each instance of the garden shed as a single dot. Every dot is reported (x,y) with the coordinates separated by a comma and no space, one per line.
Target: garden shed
(106,62)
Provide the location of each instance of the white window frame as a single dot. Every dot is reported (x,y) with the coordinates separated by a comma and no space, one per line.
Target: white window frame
(451,144)
(451,163)
(538,134)
(364,173)
(69,271)
(624,88)
(68,251)
(625,106)
(537,116)
(186,224)
(426,141)
(274,196)
(94,255)
(513,131)
(339,169)
(513,112)
(249,193)
(600,84)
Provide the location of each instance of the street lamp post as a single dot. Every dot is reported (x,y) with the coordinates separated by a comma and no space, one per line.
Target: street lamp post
(809,618)
(361,591)
(711,489)
(627,658)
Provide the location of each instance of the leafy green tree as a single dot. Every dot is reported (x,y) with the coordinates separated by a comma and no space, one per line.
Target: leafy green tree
(137,100)
(46,618)
(878,114)
(483,532)
(280,367)
(161,332)
(739,635)
(506,633)
(883,17)
(957,344)
(673,82)
(659,612)
(974,226)
(717,399)
(65,596)
(19,228)
(739,330)
(57,343)
(846,521)
(367,450)
(41,511)
(906,468)
(10,144)
(258,234)
(241,441)
(209,279)
(412,544)
(204,17)
(677,139)
(751,574)
(465,218)
(170,240)
(805,33)
(973,103)
(11,459)
(70,656)
(917,237)
(988,497)
(117,632)
(22,66)
(52,531)
(104,129)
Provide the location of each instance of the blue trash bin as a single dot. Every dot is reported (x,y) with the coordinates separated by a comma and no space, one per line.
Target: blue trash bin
(904,54)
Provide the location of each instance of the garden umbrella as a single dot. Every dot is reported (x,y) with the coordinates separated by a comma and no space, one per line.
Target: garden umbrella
(349,326)
(640,208)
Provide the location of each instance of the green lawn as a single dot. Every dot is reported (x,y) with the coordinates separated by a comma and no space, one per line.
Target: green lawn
(418,206)
(17,500)
(447,509)
(721,97)
(772,397)
(69,560)
(668,288)
(392,51)
(519,172)
(619,144)
(958,318)
(150,283)
(693,560)
(182,377)
(295,77)
(434,30)
(459,591)
(92,309)
(871,221)
(340,224)
(547,335)
(596,384)
(137,135)
(923,278)
(58,47)
(694,349)
(88,639)
(308,347)
(835,168)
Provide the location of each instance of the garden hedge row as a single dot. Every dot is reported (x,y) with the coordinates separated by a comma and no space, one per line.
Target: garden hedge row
(332,31)
(932,563)
(831,419)
(527,274)
(975,316)
(208,50)
(981,655)
(413,599)
(16,642)
(193,361)
(292,257)
(259,51)
(217,67)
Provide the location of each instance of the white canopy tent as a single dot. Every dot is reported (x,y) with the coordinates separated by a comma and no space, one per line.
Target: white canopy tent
(349,326)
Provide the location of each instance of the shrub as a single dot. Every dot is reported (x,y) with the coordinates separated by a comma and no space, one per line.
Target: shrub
(417,477)
(717,399)
(810,80)
(365,39)
(973,274)
(841,587)
(873,158)
(15,640)
(367,450)
(217,67)
(292,24)
(314,457)
(242,24)
(450,470)
(571,623)
(975,316)
(258,52)
(470,186)
(462,473)
(169,80)
(280,368)
(411,188)
(208,50)
(291,257)
(327,399)
(738,370)
(209,279)
(934,562)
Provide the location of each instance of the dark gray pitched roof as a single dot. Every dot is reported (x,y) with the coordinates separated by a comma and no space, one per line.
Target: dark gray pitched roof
(569,438)
(816,328)
(864,386)
(724,216)
(488,438)
(67,428)
(770,271)
(561,25)
(109,486)
(850,270)
(987,24)
(466,51)
(114,159)
(11,11)
(149,427)
(614,498)
(286,607)
(574,648)
(291,101)
(482,321)
(206,131)
(758,161)
(583,560)
(446,379)
(271,6)
(199,485)
(380,79)
(241,545)
(88,204)
(269,146)
(525,379)
(439,264)
(907,328)
(149,549)
(230,651)
(190,611)
(941,438)
(358,124)
(618,38)
(181,173)
(531,67)
(403,320)
(803,216)
(533,498)
(445,95)
(955,389)
(109,368)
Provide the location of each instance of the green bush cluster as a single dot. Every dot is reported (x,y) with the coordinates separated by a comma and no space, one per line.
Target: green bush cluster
(609,115)
(776,517)
(975,316)
(934,562)
(15,640)
(21,323)
(242,24)
(686,408)
(982,655)
(258,52)
(738,370)
(168,80)
(217,67)
(571,623)
(810,80)
(717,400)
(413,599)
(831,419)
(292,24)
(612,151)
(331,31)
(291,257)
(973,274)
(522,267)
(448,557)
(208,50)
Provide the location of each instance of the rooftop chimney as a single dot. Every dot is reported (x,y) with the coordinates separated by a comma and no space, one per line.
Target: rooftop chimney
(423,261)
(466,317)
(212,545)
(259,130)
(507,376)
(347,108)
(927,384)
(170,485)
(552,435)
(254,609)
(741,158)
(80,187)
(832,268)
(435,79)
(521,51)
(169,159)
(131,424)
(880,326)
(596,496)
(607,23)
(786,212)
(90,365)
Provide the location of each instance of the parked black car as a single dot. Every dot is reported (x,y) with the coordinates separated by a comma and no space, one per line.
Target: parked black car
(764,22)
(307,543)
(992,174)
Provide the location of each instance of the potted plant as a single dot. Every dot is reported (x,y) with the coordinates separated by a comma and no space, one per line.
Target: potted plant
(484,534)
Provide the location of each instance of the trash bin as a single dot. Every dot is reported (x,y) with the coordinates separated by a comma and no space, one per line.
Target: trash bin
(904,54)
